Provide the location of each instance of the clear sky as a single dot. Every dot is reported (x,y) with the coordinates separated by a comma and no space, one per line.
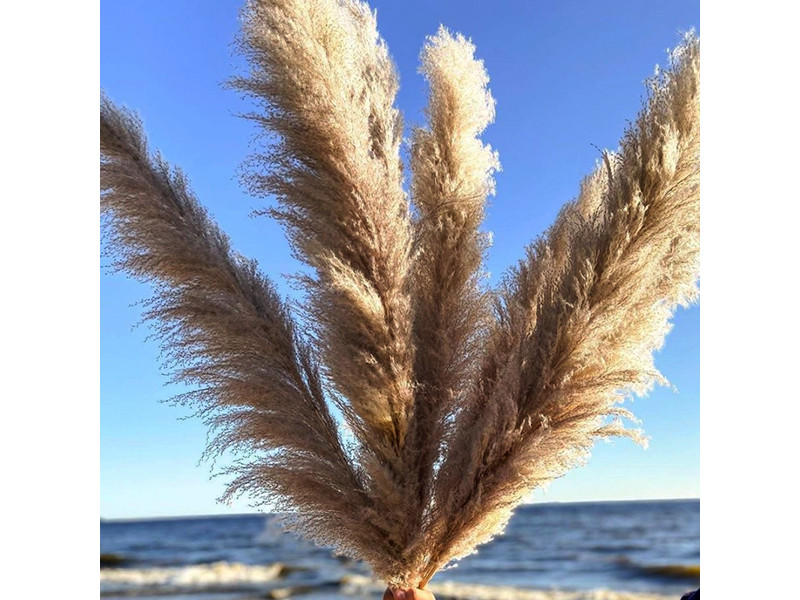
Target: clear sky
(566,76)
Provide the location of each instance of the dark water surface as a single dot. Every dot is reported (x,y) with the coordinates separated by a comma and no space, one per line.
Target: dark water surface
(646,546)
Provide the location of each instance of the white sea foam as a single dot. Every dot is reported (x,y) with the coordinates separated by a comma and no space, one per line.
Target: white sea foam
(228,575)
(203,576)
(355,584)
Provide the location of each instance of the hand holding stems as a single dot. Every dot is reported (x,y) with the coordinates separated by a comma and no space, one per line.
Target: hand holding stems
(415,594)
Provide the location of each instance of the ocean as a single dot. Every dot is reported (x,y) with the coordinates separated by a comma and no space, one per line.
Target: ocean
(637,550)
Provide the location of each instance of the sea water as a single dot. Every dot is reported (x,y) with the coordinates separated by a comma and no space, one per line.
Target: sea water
(644,547)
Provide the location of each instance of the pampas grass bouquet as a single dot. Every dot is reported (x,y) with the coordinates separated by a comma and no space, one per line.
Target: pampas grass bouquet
(404,410)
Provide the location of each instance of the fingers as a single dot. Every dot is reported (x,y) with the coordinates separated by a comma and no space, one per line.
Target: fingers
(394,594)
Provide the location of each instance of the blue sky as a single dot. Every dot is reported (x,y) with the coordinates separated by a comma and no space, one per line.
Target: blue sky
(566,76)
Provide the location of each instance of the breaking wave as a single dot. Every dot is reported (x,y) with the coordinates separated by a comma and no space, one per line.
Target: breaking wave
(217,576)
(233,577)
(467,591)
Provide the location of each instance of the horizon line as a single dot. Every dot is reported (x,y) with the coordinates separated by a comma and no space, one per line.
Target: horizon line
(266,514)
